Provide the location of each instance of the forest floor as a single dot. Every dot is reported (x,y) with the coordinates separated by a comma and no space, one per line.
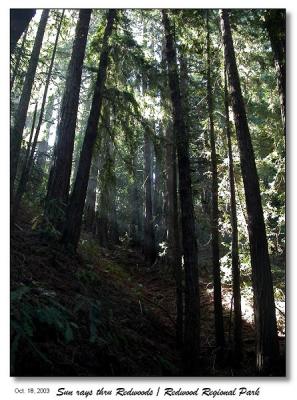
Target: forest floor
(102,312)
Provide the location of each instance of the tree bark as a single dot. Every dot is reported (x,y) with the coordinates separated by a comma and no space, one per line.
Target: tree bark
(19,22)
(58,189)
(76,205)
(21,114)
(275,21)
(237,324)
(267,350)
(218,309)
(174,256)
(192,301)
(172,217)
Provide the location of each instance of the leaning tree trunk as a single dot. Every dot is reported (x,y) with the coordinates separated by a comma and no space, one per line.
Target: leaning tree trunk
(76,205)
(19,22)
(218,309)
(26,171)
(25,164)
(21,113)
(264,307)
(58,189)
(275,21)
(192,300)
(18,59)
(237,324)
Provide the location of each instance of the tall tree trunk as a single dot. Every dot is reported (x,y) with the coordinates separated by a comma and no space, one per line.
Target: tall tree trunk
(171,207)
(79,135)
(264,307)
(26,171)
(19,22)
(237,324)
(75,209)
(105,182)
(18,59)
(275,21)
(21,113)
(58,189)
(149,233)
(218,309)
(158,191)
(174,256)
(113,233)
(192,300)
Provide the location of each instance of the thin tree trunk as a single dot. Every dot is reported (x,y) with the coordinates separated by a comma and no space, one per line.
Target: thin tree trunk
(21,113)
(275,21)
(149,233)
(31,136)
(158,197)
(102,222)
(75,209)
(26,171)
(58,189)
(265,320)
(18,59)
(25,168)
(113,233)
(90,206)
(237,325)
(218,309)
(136,208)
(192,300)
(19,22)
(43,146)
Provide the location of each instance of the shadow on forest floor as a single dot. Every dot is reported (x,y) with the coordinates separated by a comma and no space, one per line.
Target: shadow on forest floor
(102,313)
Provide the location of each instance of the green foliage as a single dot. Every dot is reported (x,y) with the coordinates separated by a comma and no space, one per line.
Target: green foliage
(35,310)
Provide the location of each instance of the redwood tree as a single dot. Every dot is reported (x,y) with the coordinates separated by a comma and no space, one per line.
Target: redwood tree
(218,309)
(237,323)
(171,207)
(192,301)
(58,187)
(76,204)
(267,347)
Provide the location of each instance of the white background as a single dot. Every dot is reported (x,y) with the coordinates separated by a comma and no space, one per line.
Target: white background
(270,388)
